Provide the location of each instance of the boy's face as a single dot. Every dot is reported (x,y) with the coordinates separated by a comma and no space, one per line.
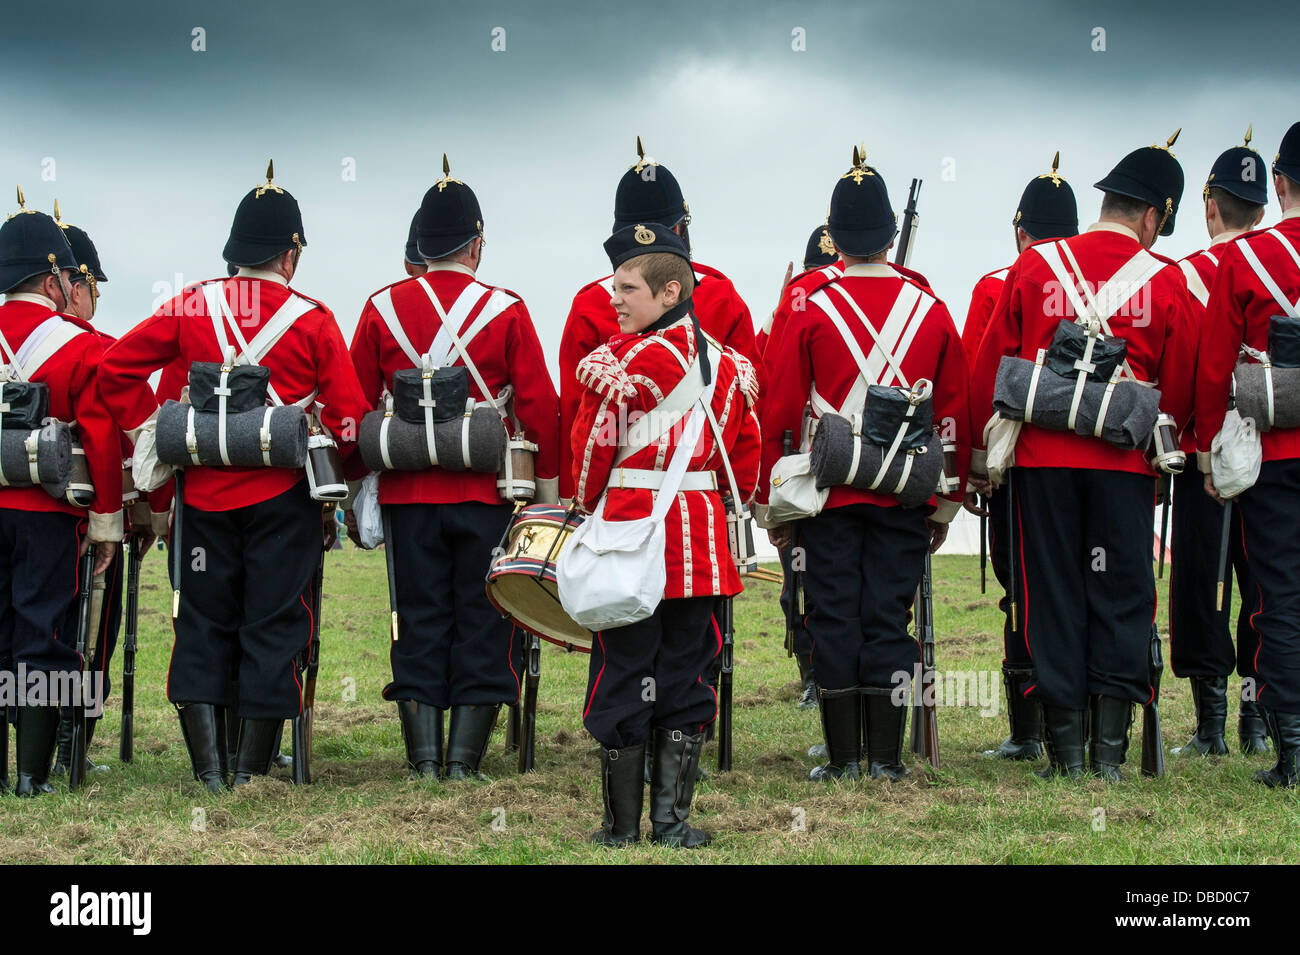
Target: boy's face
(637,308)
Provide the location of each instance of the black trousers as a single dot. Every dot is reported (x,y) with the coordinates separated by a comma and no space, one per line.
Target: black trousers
(454,647)
(654,673)
(1270,517)
(246,603)
(1002,531)
(1086,587)
(802,641)
(1200,641)
(38,592)
(864,566)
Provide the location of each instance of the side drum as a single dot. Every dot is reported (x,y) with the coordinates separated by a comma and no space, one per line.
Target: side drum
(521,581)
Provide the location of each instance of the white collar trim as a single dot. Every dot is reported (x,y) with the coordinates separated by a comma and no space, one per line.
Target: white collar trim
(1114,227)
(1292,213)
(34,297)
(871,270)
(1227,236)
(263,274)
(445,266)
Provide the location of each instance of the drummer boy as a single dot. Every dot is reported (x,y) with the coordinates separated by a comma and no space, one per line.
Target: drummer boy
(647,684)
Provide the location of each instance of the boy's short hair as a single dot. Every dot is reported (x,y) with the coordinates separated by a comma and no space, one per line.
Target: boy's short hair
(660,268)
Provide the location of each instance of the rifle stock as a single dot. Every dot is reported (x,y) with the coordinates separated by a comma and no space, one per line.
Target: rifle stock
(85,583)
(126,744)
(725,687)
(1153,748)
(925,724)
(528,729)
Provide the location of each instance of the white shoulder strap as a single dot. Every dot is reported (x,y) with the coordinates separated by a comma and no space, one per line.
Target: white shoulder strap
(661,419)
(1194,283)
(383,303)
(441,349)
(294,307)
(1292,309)
(41,345)
(497,303)
(683,453)
(464,355)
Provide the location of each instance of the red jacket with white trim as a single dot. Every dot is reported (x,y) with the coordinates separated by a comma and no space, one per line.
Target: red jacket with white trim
(72,375)
(311,356)
(506,352)
(592,321)
(630,375)
(812,351)
(1157,323)
(1239,312)
(983,298)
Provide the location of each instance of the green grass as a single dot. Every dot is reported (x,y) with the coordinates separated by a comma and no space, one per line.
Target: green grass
(362,809)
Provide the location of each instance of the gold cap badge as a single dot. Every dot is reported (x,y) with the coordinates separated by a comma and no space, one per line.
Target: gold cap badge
(824,244)
(643,235)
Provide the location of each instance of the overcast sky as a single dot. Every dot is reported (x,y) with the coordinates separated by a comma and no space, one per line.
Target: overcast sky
(149,144)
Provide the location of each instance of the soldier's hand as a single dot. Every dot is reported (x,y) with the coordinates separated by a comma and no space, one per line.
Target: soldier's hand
(781,536)
(972,504)
(147,539)
(1210,489)
(981,484)
(354,532)
(329,528)
(938,534)
(104,552)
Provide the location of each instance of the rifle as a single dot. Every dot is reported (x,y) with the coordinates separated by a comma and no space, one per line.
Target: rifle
(309,663)
(126,746)
(1164,491)
(925,726)
(85,581)
(1224,538)
(725,686)
(984,544)
(392,578)
(794,606)
(911,222)
(528,729)
(1153,748)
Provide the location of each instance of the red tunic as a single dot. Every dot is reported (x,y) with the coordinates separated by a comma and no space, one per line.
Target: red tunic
(506,352)
(310,357)
(630,374)
(1239,311)
(592,321)
(813,352)
(73,376)
(1157,323)
(1199,270)
(982,300)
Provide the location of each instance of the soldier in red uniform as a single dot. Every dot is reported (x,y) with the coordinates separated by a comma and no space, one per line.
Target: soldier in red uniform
(1258,285)
(411,260)
(1047,210)
(674,648)
(1084,508)
(42,536)
(1200,645)
(250,535)
(455,651)
(647,193)
(865,553)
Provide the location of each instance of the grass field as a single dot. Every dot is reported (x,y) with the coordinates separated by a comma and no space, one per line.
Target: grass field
(362,809)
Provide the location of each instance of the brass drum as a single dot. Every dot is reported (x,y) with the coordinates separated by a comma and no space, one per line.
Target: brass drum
(521,582)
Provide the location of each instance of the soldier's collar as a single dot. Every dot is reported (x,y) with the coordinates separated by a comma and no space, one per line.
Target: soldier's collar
(1114,227)
(264,275)
(1227,236)
(871,270)
(450,267)
(1292,213)
(669,318)
(35,298)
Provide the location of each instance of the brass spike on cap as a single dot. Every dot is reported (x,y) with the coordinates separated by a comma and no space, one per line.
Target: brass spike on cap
(22,202)
(1056,161)
(1173,138)
(446,175)
(446,166)
(1249,130)
(1056,164)
(857,157)
(58,217)
(640,150)
(270,170)
(268,186)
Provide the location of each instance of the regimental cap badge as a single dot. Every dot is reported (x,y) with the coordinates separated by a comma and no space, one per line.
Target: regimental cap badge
(268,186)
(446,176)
(860,168)
(824,244)
(22,206)
(1056,164)
(641,161)
(643,235)
(1169,146)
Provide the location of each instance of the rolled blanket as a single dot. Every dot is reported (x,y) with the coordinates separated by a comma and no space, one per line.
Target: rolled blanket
(1130,413)
(52,446)
(286,427)
(407,445)
(836,449)
(1252,396)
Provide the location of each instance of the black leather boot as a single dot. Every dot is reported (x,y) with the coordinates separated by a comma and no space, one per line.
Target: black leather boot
(63,756)
(1252,732)
(1025,717)
(468,734)
(256,749)
(884,725)
(231,715)
(808,698)
(203,726)
(37,728)
(841,712)
(1064,734)
(672,786)
(1285,731)
(422,734)
(1210,700)
(1111,719)
(623,793)
(4,750)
